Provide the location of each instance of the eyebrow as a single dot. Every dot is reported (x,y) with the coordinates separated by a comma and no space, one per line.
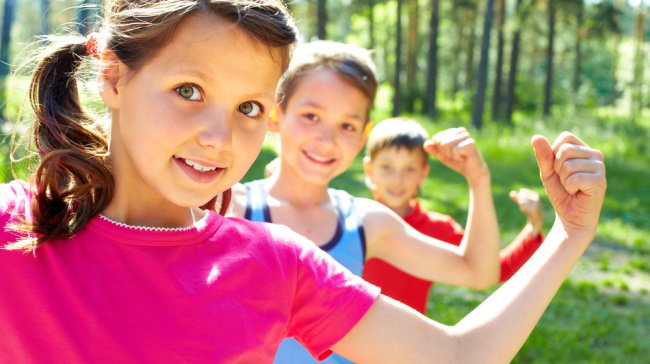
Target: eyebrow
(352,116)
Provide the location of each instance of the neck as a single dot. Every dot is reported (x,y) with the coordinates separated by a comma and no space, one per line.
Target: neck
(290,188)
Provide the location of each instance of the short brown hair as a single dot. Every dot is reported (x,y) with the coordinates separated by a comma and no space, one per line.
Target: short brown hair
(397,133)
(352,63)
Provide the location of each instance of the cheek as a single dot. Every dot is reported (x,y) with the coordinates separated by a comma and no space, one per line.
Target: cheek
(249,143)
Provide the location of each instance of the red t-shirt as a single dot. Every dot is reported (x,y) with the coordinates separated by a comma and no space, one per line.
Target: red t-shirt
(414,291)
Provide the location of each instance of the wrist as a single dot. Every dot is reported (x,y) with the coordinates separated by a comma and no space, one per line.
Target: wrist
(481,176)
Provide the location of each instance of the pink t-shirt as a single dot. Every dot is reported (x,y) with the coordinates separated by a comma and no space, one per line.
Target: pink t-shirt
(223,291)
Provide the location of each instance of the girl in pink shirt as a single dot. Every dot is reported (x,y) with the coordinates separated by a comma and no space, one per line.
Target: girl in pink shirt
(113,251)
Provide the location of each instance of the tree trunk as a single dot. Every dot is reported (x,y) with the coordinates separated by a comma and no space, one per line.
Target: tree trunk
(511,96)
(469,61)
(5,38)
(45,11)
(83,17)
(637,84)
(322,19)
(546,111)
(578,46)
(496,96)
(398,63)
(411,57)
(371,24)
(432,72)
(479,98)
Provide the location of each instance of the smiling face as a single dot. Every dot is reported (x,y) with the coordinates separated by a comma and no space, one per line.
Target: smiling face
(396,174)
(189,123)
(321,127)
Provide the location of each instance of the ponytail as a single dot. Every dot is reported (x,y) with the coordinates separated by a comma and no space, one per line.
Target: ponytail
(73,182)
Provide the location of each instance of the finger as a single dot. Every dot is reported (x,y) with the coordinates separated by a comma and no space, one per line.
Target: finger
(569,151)
(544,156)
(576,174)
(567,138)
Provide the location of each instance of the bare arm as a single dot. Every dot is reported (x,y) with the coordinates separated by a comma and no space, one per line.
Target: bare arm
(574,177)
(475,263)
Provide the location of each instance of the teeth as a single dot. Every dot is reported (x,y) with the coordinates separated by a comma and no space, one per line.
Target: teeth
(199,167)
(318,159)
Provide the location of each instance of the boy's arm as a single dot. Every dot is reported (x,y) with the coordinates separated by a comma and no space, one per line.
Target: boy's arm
(475,263)
(529,239)
(574,178)
(515,254)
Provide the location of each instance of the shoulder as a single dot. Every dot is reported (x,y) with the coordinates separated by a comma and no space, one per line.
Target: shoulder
(261,236)
(14,196)
(378,220)
(15,204)
(238,201)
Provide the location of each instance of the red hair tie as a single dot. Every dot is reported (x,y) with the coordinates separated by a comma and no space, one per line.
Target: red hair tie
(92,45)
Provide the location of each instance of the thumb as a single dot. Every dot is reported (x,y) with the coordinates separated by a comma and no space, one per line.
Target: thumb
(514,196)
(544,156)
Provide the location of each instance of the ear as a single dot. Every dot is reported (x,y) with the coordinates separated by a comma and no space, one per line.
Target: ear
(368,170)
(110,72)
(275,119)
(367,166)
(366,131)
(425,173)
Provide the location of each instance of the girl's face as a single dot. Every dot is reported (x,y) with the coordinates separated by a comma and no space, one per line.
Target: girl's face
(322,126)
(191,121)
(396,174)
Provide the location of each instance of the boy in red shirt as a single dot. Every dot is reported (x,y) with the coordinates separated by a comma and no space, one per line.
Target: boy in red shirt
(395,166)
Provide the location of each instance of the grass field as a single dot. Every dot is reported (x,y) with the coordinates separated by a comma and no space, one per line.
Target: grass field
(600,314)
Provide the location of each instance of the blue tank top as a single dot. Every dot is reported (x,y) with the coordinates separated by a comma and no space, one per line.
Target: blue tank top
(348,247)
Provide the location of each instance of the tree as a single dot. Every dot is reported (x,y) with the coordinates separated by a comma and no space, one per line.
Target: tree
(604,22)
(83,16)
(398,64)
(412,53)
(5,38)
(322,19)
(496,95)
(471,39)
(637,87)
(432,72)
(548,88)
(479,98)
(45,17)
(511,96)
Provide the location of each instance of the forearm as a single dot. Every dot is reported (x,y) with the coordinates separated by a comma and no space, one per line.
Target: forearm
(480,244)
(503,322)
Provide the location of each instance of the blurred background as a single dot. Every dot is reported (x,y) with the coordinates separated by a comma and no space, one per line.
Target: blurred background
(506,70)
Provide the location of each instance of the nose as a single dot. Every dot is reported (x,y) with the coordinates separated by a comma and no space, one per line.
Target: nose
(215,130)
(326,135)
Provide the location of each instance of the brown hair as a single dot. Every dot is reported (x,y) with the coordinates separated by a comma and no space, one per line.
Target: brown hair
(397,133)
(73,182)
(352,63)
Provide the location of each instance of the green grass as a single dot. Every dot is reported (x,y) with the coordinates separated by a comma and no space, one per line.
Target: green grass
(600,314)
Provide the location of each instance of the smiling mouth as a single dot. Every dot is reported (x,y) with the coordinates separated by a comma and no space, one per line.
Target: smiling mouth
(318,159)
(197,166)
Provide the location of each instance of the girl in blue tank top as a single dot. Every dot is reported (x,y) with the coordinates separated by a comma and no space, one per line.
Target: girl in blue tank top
(322,122)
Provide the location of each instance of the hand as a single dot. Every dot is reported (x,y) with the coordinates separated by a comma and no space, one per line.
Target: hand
(574,178)
(529,204)
(456,149)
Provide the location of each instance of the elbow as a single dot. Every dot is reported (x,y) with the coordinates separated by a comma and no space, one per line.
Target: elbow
(485,281)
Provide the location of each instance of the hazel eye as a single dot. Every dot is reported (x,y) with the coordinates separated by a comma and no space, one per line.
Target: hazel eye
(189,92)
(250,109)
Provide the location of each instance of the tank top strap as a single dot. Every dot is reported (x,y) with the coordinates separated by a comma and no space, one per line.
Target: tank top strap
(257,208)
